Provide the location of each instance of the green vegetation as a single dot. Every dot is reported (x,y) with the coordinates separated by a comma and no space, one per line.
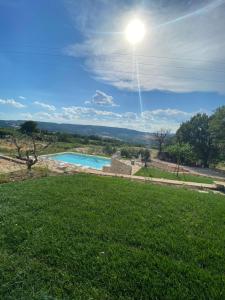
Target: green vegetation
(4,178)
(181,152)
(14,141)
(89,237)
(197,133)
(204,139)
(21,175)
(135,152)
(29,127)
(217,125)
(157,173)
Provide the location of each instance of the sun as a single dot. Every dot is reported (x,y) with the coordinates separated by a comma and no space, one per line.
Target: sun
(135,31)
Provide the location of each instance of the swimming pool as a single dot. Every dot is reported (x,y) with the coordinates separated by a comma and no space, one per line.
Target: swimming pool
(83,160)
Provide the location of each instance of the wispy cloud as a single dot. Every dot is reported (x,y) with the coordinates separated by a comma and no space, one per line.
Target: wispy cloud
(183,50)
(45,105)
(78,111)
(102,99)
(12,102)
(150,120)
(22,98)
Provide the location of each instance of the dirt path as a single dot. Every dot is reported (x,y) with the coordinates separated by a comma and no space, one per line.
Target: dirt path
(192,170)
(206,172)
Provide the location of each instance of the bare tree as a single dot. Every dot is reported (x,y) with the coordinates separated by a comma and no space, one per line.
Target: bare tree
(32,154)
(19,147)
(160,137)
(31,146)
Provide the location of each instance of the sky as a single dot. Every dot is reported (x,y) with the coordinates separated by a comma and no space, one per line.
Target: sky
(69,61)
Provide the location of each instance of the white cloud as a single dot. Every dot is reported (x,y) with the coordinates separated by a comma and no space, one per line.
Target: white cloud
(12,102)
(101,99)
(27,116)
(77,111)
(148,121)
(45,105)
(22,97)
(183,50)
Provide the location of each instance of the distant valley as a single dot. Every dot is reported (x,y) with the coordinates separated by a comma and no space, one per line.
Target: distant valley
(128,135)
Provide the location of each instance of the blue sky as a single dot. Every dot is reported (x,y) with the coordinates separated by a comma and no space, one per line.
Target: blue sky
(69,61)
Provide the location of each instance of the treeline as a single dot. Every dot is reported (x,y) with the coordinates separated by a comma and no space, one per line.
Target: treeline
(199,141)
(89,139)
(69,138)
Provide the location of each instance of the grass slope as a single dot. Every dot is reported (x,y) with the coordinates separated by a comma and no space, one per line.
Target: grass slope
(157,173)
(88,237)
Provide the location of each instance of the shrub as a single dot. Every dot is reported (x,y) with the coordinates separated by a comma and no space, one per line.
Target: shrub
(183,153)
(109,150)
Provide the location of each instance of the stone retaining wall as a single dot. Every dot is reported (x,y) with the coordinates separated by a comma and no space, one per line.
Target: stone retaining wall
(166,166)
(118,167)
(15,160)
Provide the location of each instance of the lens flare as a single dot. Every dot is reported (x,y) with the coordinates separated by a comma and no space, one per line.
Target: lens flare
(135,32)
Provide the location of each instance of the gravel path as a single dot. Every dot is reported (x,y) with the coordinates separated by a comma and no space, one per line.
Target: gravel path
(200,171)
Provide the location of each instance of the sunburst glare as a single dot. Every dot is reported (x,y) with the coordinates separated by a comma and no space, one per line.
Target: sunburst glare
(135,31)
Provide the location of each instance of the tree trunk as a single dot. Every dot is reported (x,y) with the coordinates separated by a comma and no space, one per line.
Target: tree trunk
(178,169)
(160,148)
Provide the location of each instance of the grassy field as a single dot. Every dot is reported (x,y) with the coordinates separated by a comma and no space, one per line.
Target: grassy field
(157,173)
(87,237)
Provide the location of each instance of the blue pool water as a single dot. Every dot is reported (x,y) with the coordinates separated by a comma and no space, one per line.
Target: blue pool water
(89,161)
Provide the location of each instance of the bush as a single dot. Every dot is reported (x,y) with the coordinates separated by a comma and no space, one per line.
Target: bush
(183,153)
(129,152)
(109,150)
(135,152)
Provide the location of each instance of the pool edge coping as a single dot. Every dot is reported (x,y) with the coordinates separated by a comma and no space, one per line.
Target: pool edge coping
(78,166)
(44,155)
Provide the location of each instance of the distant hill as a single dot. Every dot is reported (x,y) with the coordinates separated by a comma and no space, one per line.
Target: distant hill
(124,134)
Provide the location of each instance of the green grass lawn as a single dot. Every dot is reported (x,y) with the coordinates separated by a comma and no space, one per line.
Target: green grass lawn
(157,173)
(89,237)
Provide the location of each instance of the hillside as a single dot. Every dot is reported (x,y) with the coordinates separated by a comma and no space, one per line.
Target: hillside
(124,134)
(88,237)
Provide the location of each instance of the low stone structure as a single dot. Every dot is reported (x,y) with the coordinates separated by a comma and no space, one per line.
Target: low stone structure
(15,160)
(118,167)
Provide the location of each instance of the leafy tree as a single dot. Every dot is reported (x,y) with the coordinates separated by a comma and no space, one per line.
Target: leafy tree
(109,150)
(85,141)
(125,153)
(181,153)
(29,127)
(64,137)
(196,133)
(217,130)
(146,156)
(130,152)
(4,133)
